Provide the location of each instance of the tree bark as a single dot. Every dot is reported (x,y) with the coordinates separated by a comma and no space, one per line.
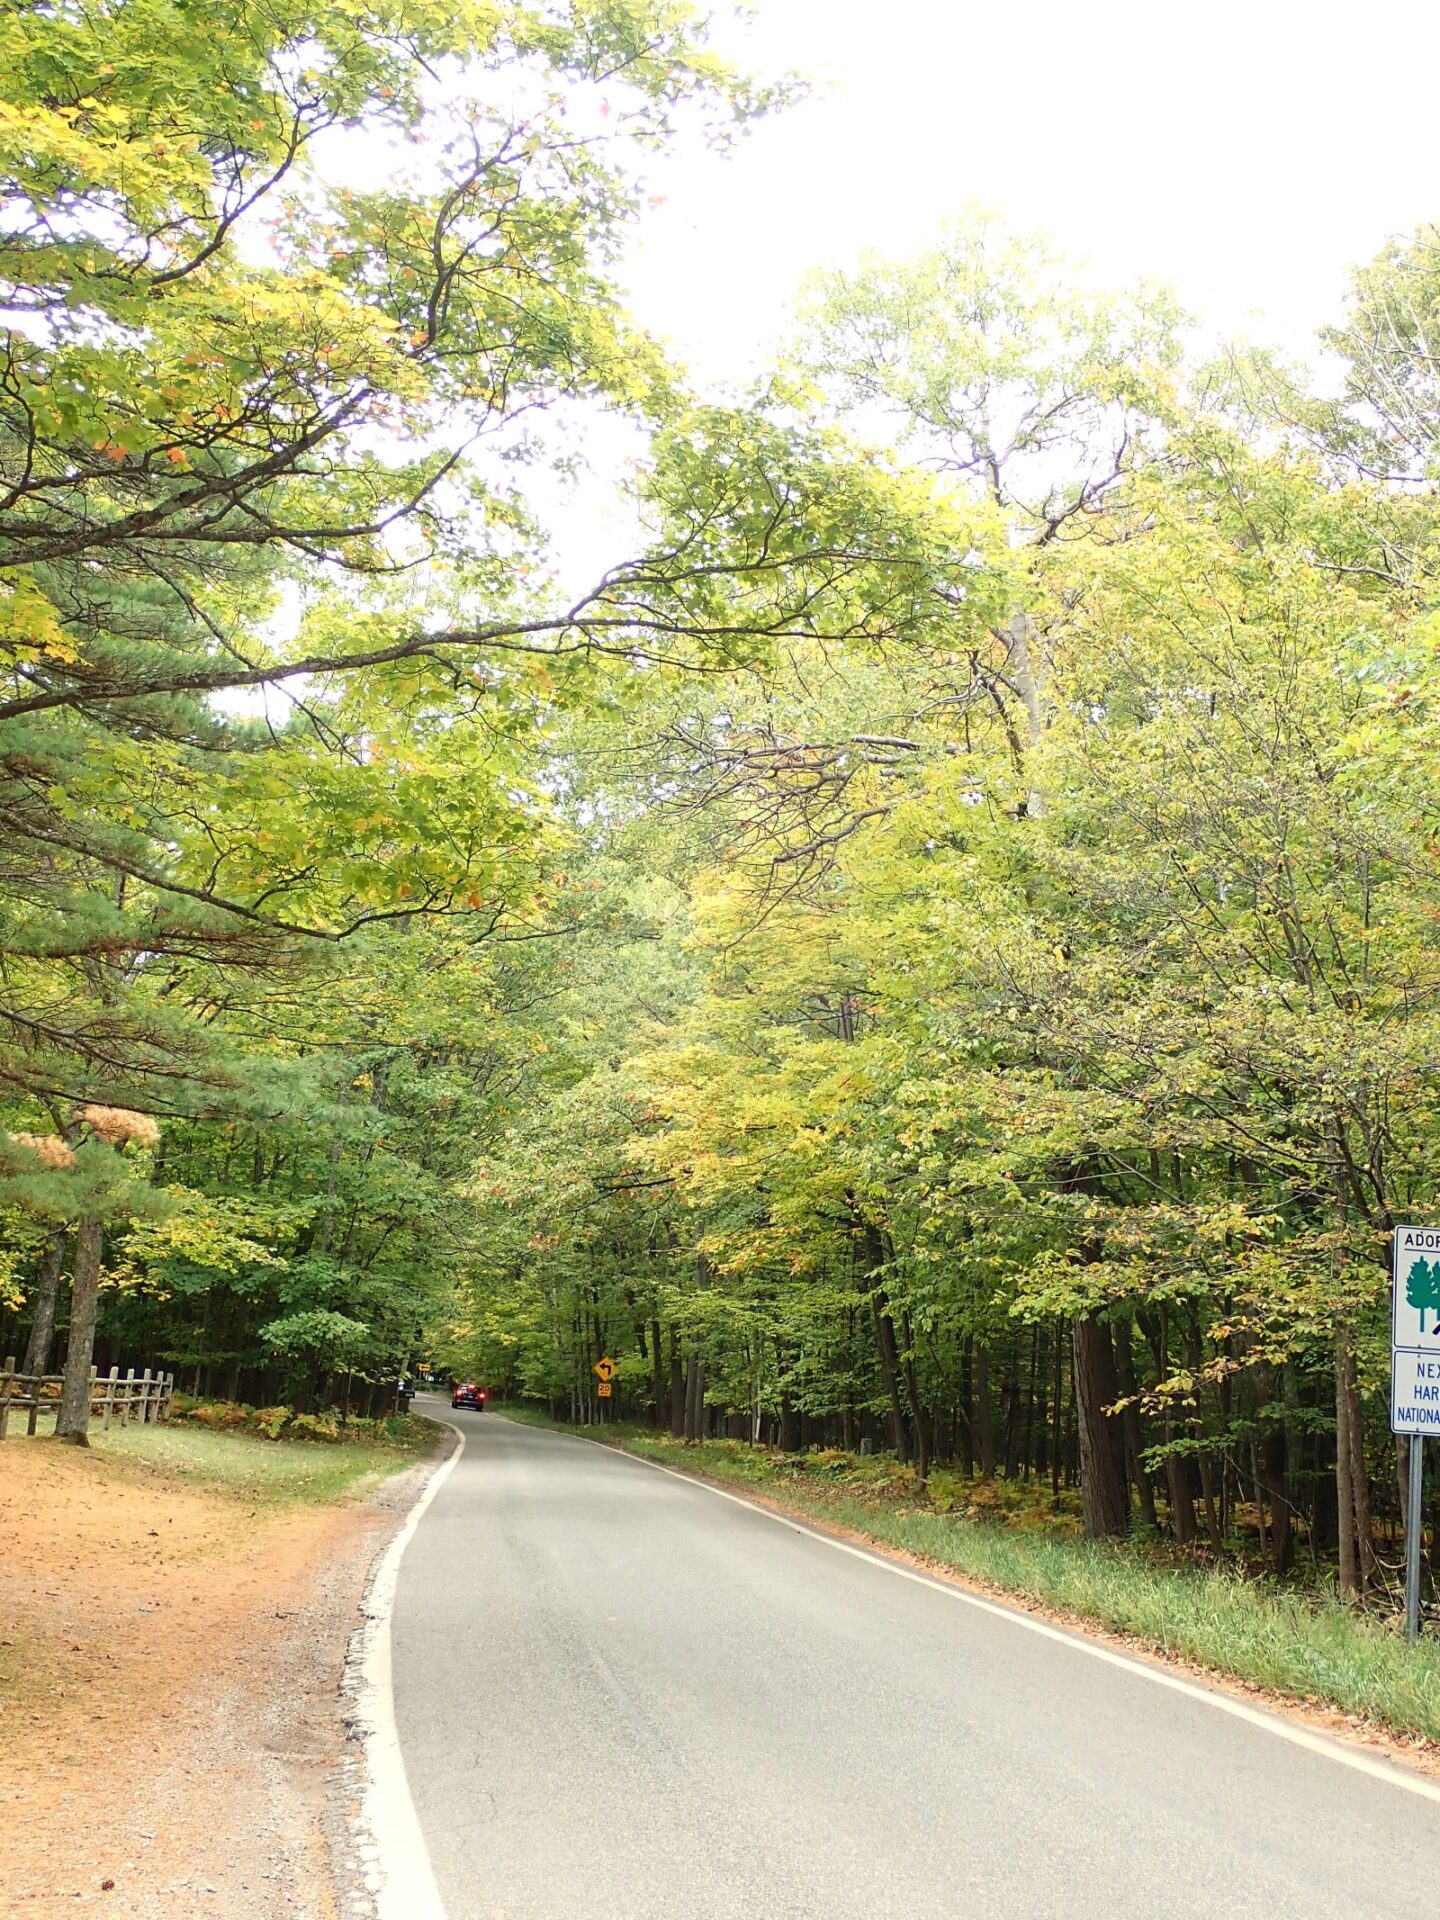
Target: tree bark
(919,1425)
(1057,1412)
(1130,1421)
(1036,1380)
(73,1421)
(984,1412)
(657,1365)
(695,1398)
(1214,1531)
(885,1345)
(1020,631)
(1349,1569)
(1102,1450)
(967,1406)
(890,1373)
(1274,1464)
(1156,1329)
(1182,1506)
(1010,1403)
(677,1388)
(47,1298)
(1359,1479)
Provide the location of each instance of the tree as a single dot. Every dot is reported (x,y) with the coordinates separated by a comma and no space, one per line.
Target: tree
(1422,1288)
(244,396)
(1101,1020)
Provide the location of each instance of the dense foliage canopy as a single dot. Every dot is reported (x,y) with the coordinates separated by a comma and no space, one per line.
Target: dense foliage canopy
(933,951)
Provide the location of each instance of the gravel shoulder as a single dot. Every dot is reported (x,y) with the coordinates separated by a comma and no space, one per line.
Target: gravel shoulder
(173,1730)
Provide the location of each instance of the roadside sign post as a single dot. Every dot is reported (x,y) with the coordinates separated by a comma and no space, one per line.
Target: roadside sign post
(605,1369)
(1412,1537)
(1415,1381)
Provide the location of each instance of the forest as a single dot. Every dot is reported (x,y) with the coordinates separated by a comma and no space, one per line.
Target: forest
(934,951)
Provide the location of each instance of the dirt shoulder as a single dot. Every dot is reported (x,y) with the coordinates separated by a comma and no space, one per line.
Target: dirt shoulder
(170,1666)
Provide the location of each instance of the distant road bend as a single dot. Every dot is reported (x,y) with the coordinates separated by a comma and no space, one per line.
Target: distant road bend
(621,1695)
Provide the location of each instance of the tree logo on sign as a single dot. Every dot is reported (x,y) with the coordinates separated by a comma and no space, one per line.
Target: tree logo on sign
(1422,1290)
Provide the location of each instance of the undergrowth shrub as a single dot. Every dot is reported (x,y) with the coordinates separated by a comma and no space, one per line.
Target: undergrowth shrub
(1025,1506)
(284,1423)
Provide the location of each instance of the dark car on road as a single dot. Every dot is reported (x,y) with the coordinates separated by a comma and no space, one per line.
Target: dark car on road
(468,1396)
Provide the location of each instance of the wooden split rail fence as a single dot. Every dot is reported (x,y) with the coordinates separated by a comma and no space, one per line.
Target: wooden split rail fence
(143,1397)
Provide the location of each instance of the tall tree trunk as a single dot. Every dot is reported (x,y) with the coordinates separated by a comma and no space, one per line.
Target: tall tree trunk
(1024,675)
(695,1398)
(677,1387)
(984,1412)
(919,1425)
(1035,1380)
(1359,1478)
(1349,1566)
(1010,1404)
(1274,1463)
(1182,1505)
(47,1298)
(1130,1422)
(73,1422)
(1214,1531)
(967,1406)
(885,1344)
(1156,1329)
(657,1363)
(1057,1412)
(1102,1447)
(890,1372)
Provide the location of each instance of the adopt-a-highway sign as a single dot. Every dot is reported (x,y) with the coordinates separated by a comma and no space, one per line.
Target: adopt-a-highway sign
(1415,1332)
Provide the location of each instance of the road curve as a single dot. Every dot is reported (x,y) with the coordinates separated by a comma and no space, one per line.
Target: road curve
(620,1695)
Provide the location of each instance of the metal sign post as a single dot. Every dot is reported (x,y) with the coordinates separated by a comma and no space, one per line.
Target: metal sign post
(1415,1381)
(1415,1526)
(605,1369)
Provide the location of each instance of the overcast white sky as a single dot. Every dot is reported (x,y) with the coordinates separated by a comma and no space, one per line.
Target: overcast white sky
(1244,153)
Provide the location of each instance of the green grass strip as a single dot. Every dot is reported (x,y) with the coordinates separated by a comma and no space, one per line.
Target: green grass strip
(264,1472)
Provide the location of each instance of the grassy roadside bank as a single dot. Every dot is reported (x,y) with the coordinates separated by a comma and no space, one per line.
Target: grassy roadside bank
(279,1472)
(1303,1647)
(255,1470)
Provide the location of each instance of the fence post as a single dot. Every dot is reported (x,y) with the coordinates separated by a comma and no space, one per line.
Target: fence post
(110,1380)
(145,1398)
(128,1383)
(7,1387)
(167,1400)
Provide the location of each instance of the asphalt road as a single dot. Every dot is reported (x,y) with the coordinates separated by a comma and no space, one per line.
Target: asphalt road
(619,1695)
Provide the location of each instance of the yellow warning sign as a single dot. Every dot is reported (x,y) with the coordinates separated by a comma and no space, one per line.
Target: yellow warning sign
(606,1369)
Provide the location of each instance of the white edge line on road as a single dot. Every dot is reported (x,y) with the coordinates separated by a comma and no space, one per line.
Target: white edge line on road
(1392,1773)
(397,1862)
